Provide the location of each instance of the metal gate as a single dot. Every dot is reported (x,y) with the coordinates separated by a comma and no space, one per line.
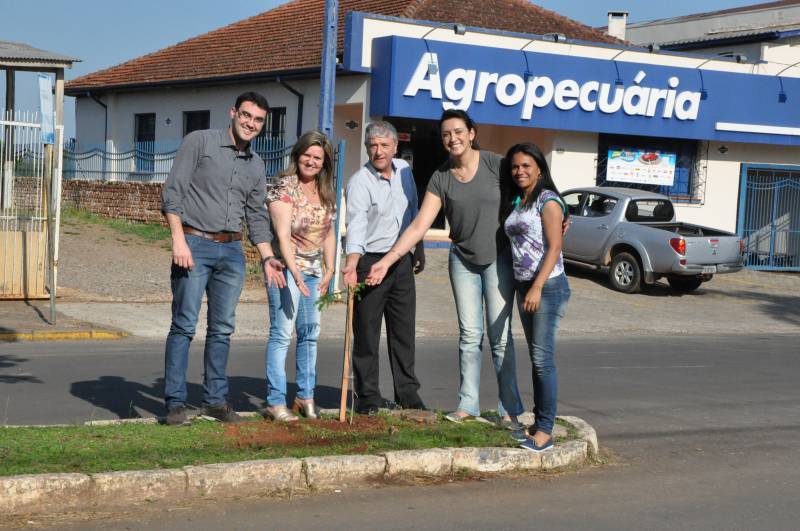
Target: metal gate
(769,216)
(26,174)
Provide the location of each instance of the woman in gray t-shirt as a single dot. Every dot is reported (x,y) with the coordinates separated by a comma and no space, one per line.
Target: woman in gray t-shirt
(467,186)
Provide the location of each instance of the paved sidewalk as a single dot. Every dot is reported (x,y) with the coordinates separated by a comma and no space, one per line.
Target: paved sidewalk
(31,320)
(740,303)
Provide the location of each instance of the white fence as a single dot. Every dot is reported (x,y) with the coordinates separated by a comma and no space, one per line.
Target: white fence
(151,162)
(29,188)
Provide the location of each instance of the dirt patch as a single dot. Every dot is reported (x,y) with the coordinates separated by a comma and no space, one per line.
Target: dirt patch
(308,433)
(100,264)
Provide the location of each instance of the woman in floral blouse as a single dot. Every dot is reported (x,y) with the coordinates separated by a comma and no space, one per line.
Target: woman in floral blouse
(534,227)
(303,207)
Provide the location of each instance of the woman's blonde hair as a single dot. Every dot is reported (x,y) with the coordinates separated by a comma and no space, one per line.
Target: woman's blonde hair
(327,195)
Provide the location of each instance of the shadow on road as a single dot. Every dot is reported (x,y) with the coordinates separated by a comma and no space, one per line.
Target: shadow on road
(38,312)
(600,278)
(130,399)
(7,339)
(9,360)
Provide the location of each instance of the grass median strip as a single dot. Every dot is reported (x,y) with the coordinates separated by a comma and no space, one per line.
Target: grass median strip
(89,449)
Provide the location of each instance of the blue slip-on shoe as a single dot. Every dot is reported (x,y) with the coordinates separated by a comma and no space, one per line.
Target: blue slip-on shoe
(520,435)
(510,424)
(523,434)
(530,444)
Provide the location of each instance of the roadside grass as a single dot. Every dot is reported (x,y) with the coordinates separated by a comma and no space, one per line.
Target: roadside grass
(254,269)
(88,449)
(152,232)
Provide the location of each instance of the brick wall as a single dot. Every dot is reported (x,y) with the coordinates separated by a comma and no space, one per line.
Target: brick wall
(27,193)
(135,202)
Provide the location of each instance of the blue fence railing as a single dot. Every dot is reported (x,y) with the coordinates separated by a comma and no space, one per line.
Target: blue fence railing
(769,216)
(150,161)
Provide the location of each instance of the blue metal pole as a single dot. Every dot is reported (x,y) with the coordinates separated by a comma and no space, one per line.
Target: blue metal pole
(776,193)
(340,150)
(328,73)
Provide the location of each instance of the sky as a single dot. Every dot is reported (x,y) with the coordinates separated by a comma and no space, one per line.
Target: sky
(104,33)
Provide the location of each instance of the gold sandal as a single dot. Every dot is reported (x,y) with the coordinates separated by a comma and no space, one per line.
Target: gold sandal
(307,409)
(279,414)
(458,416)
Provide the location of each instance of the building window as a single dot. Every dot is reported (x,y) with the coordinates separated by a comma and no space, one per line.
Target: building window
(271,142)
(195,121)
(144,132)
(686,181)
(275,126)
(145,127)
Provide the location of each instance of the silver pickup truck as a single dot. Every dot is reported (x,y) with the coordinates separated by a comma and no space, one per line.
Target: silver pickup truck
(634,236)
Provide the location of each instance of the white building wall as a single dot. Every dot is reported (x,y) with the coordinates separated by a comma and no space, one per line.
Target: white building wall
(751,50)
(786,51)
(170,104)
(779,53)
(723,172)
(573,160)
(89,122)
(354,137)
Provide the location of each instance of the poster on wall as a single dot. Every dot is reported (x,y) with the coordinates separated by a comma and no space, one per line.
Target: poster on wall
(641,167)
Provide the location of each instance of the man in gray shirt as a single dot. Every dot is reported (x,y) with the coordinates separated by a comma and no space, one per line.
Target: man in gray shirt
(381,202)
(215,181)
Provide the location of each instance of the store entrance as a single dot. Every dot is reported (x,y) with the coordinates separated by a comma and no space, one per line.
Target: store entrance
(421,146)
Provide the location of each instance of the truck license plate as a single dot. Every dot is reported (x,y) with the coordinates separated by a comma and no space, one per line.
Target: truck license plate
(707,270)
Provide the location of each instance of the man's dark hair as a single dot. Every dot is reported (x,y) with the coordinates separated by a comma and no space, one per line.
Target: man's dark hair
(253,97)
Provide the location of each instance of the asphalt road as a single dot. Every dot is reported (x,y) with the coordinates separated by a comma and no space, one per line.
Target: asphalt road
(701,433)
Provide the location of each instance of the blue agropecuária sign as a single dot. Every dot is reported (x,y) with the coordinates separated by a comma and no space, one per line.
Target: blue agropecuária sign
(418,79)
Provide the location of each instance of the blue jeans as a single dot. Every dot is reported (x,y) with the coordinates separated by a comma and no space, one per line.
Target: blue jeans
(289,309)
(540,332)
(219,273)
(491,289)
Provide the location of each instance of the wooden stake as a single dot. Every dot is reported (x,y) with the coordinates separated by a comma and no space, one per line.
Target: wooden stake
(347,348)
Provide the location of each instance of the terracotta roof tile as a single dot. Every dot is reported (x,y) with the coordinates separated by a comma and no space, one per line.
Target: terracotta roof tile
(289,38)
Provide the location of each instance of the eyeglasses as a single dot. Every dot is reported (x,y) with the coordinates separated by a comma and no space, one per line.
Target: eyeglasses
(247,117)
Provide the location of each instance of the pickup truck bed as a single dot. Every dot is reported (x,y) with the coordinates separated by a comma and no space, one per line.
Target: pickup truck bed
(684,229)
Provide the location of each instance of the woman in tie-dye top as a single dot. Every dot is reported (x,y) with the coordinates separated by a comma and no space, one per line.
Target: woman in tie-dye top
(303,208)
(536,212)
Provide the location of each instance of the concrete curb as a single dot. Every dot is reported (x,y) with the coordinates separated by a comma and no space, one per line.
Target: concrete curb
(585,432)
(56,493)
(74,335)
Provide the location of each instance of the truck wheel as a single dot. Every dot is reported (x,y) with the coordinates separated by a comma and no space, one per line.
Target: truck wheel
(684,284)
(625,274)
